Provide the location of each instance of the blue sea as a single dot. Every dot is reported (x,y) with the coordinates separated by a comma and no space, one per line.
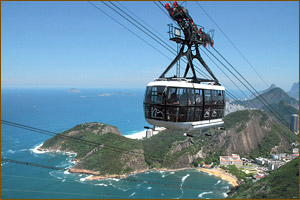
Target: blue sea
(58,110)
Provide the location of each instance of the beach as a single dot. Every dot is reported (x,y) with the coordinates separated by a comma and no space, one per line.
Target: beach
(221,174)
(142,134)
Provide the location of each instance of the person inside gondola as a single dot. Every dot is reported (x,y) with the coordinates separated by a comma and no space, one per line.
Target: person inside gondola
(183,109)
(198,99)
(173,99)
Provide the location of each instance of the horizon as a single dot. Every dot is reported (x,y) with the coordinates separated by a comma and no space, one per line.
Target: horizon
(73,45)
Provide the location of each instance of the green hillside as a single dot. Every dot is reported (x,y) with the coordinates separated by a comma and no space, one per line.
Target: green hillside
(284,109)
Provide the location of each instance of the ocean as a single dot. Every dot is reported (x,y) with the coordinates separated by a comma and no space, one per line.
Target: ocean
(58,110)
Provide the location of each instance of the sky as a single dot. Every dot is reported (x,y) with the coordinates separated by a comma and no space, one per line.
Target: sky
(55,44)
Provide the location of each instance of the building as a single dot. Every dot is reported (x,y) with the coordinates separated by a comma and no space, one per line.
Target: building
(149,133)
(296,150)
(275,165)
(234,159)
(295,123)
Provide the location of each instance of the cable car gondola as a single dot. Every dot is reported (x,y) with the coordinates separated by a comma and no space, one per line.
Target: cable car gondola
(185,103)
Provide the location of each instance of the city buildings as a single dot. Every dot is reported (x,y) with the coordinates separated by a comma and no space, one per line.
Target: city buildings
(234,159)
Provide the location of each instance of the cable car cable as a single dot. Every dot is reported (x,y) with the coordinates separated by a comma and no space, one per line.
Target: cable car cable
(227,76)
(136,26)
(247,86)
(140,24)
(129,30)
(258,96)
(232,43)
(170,47)
(142,21)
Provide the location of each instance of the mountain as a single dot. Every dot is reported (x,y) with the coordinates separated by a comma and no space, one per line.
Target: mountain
(294,91)
(273,96)
(284,109)
(280,184)
(248,133)
(264,91)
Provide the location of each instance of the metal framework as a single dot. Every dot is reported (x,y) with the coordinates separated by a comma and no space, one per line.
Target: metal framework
(192,38)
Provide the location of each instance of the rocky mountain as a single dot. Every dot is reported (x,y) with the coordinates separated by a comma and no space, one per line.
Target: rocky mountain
(248,133)
(294,91)
(281,184)
(273,96)
(264,91)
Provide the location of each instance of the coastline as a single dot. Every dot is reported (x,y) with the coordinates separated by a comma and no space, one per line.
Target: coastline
(95,175)
(221,174)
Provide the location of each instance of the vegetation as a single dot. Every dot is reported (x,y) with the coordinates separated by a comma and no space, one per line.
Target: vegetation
(281,184)
(163,142)
(285,110)
(232,169)
(265,146)
(168,149)
(231,120)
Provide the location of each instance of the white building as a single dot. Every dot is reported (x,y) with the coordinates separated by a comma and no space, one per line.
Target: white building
(295,123)
(234,159)
(149,133)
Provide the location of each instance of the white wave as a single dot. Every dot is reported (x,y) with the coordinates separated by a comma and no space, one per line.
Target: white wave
(80,175)
(132,194)
(114,179)
(83,179)
(163,176)
(219,181)
(3,163)
(172,172)
(66,172)
(11,151)
(162,194)
(54,174)
(204,193)
(225,194)
(184,178)
(35,149)
(124,190)
(63,180)
(182,181)
(149,188)
(225,188)
(101,184)
(23,150)
(138,185)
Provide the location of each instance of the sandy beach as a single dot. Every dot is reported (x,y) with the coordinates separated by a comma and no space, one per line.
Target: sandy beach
(221,174)
(142,134)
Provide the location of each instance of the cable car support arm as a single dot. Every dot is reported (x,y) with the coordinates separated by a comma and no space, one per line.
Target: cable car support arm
(192,37)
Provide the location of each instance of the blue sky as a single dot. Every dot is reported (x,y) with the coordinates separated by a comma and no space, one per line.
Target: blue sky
(72,44)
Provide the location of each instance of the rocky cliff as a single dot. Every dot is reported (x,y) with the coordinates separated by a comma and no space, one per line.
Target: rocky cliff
(251,134)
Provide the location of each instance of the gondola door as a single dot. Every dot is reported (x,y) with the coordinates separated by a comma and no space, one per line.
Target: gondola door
(207,105)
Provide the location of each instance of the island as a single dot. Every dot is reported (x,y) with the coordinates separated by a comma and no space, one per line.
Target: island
(102,151)
(73,90)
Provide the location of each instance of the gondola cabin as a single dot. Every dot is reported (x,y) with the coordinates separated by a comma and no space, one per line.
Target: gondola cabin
(184,105)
